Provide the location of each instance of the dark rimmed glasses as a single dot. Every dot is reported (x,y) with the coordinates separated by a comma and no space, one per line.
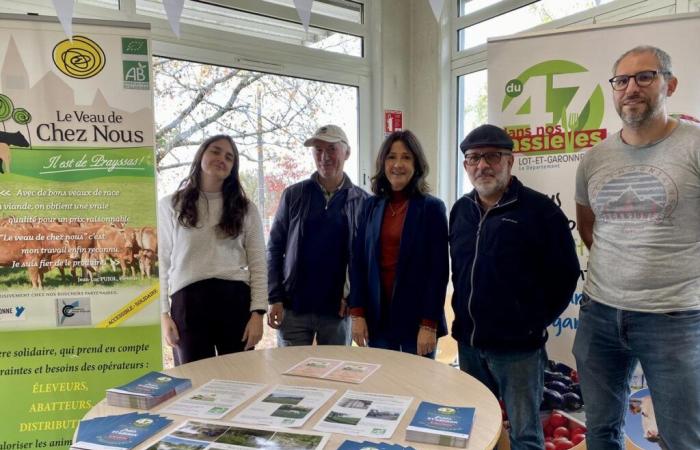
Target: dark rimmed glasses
(491,158)
(643,79)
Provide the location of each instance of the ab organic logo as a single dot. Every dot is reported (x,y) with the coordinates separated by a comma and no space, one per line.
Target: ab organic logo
(555,106)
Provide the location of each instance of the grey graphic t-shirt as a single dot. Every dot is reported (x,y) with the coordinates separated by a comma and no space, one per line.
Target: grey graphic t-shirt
(646,238)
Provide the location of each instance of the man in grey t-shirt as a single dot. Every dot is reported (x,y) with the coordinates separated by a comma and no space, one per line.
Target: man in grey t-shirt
(638,212)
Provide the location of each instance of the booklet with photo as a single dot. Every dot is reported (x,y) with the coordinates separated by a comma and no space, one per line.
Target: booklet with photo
(441,424)
(285,406)
(214,399)
(365,414)
(333,369)
(147,391)
(196,435)
(124,431)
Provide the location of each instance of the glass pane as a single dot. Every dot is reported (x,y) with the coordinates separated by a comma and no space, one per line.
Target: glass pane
(469,6)
(230,20)
(522,19)
(337,9)
(472,111)
(268,116)
(694,6)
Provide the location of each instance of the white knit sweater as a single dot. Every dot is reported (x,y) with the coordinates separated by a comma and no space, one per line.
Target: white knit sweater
(187,255)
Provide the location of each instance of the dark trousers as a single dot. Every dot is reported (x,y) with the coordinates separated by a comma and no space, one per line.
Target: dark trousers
(211,316)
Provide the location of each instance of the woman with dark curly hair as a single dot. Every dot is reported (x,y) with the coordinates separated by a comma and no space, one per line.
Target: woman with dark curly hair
(212,259)
(400,263)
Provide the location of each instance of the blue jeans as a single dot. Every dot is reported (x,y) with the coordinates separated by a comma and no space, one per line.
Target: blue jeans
(608,344)
(301,329)
(517,378)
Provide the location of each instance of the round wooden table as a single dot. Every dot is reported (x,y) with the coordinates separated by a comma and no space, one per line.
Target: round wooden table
(399,374)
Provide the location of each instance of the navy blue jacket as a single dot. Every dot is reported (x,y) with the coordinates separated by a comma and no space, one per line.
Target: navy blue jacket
(514,269)
(287,233)
(422,271)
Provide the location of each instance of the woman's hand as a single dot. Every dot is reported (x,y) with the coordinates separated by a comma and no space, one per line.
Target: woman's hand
(172,337)
(359,331)
(427,340)
(253,330)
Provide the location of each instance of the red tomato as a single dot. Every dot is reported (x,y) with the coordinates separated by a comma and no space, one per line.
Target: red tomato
(557,420)
(549,446)
(548,430)
(561,432)
(548,439)
(574,376)
(577,429)
(578,438)
(563,445)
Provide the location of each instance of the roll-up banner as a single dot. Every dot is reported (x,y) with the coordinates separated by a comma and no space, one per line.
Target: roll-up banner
(78,248)
(551,91)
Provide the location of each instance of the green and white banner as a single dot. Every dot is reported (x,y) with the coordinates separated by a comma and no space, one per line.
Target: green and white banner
(78,247)
(551,92)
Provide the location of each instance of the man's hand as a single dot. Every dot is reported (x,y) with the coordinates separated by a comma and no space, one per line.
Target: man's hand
(427,340)
(359,331)
(344,309)
(253,330)
(172,337)
(275,315)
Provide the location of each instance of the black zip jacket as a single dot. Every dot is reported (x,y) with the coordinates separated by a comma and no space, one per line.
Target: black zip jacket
(514,269)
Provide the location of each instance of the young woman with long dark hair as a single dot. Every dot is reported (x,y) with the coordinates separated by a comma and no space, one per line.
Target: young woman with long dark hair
(212,259)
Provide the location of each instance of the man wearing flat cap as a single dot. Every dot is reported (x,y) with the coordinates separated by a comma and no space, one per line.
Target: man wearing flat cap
(514,270)
(309,248)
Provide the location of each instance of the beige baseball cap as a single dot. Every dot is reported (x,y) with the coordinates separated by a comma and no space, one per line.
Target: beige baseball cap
(327,133)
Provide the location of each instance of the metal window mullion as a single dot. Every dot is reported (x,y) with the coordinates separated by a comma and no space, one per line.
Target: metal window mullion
(290,14)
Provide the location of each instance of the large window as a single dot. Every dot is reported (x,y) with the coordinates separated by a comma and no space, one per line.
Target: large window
(268,116)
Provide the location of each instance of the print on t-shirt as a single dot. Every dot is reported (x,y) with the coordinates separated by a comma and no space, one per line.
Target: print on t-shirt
(636,194)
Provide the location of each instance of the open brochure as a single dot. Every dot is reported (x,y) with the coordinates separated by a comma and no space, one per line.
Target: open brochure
(285,406)
(195,435)
(214,399)
(333,369)
(365,414)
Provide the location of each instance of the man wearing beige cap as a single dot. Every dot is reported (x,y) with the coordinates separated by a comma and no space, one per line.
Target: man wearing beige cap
(309,248)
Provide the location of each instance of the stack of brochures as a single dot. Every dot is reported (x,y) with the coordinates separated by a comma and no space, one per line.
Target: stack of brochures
(117,432)
(441,425)
(365,445)
(147,391)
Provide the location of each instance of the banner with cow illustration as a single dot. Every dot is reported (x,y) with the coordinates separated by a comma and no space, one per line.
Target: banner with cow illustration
(551,92)
(78,247)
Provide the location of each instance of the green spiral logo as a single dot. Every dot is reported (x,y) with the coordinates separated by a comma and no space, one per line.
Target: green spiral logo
(6,107)
(21,116)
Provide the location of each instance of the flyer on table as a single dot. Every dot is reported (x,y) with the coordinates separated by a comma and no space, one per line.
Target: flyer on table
(196,435)
(213,400)
(333,369)
(78,252)
(365,414)
(285,406)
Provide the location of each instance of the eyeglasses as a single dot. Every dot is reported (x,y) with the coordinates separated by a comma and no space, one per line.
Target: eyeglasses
(491,158)
(643,79)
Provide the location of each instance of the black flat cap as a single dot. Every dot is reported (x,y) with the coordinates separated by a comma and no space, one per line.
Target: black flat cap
(487,136)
